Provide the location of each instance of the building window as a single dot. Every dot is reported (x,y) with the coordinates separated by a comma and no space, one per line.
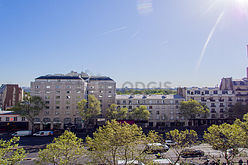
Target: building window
(7,118)
(109,96)
(150,107)
(48,86)
(67,102)
(47,102)
(213,111)
(68,86)
(23,118)
(67,107)
(48,92)
(157,112)
(57,102)
(57,107)
(0,119)
(130,107)
(67,112)
(68,91)
(47,107)
(57,97)
(110,87)
(68,97)
(215,92)
(56,113)
(197,92)
(36,86)
(57,92)
(206,92)
(57,87)
(46,113)
(47,97)
(78,91)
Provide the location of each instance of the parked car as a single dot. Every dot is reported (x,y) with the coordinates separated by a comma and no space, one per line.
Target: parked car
(163,162)
(22,133)
(170,143)
(189,153)
(154,148)
(43,133)
(129,162)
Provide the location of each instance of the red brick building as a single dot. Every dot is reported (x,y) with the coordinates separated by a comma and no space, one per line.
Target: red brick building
(10,95)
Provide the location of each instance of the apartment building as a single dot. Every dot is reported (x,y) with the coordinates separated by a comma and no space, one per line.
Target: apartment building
(104,89)
(10,95)
(239,87)
(218,101)
(164,109)
(61,93)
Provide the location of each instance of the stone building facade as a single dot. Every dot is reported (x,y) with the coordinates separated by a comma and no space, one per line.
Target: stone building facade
(164,109)
(218,101)
(239,87)
(61,93)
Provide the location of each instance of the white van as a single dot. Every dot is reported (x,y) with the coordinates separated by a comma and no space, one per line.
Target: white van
(22,133)
(43,133)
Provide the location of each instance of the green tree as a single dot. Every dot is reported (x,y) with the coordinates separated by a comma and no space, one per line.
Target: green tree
(116,141)
(113,112)
(64,150)
(182,140)
(244,125)
(189,109)
(140,113)
(237,111)
(89,109)
(226,138)
(10,153)
(29,108)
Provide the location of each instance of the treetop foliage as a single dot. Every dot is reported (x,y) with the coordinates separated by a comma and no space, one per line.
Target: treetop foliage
(189,109)
(64,150)
(10,153)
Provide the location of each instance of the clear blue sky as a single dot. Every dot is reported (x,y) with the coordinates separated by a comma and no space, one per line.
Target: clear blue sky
(128,40)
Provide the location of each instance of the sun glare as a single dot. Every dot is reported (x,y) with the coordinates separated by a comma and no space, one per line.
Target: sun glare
(242,2)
